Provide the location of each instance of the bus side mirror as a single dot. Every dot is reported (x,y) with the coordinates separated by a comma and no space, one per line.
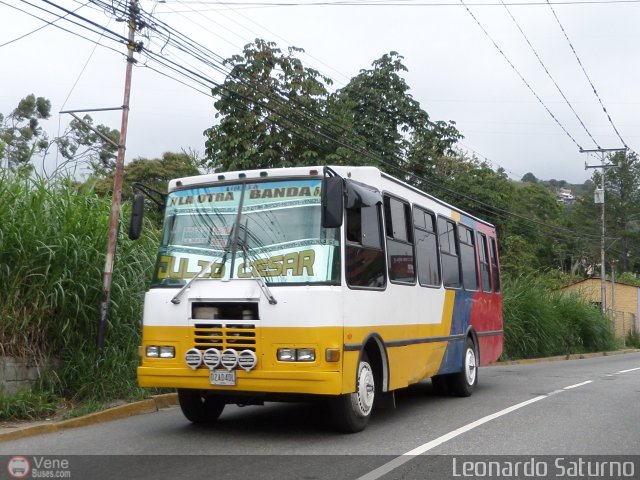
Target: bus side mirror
(137,213)
(332,201)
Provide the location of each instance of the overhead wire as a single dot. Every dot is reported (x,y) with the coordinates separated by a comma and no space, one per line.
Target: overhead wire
(544,67)
(367,154)
(604,109)
(295,122)
(504,55)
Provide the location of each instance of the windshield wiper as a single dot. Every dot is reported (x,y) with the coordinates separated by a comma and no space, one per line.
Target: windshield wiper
(176,298)
(254,273)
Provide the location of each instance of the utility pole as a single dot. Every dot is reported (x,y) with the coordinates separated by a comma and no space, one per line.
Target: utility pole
(603,166)
(116,203)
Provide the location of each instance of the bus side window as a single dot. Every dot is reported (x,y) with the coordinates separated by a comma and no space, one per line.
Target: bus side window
(494,266)
(485,273)
(426,248)
(468,258)
(400,261)
(364,256)
(449,253)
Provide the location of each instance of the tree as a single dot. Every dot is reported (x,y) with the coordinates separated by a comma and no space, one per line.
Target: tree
(154,173)
(21,136)
(386,123)
(80,144)
(529,178)
(275,112)
(270,108)
(622,202)
(22,140)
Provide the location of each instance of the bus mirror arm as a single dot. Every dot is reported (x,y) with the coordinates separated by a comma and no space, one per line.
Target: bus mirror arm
(137,209)
(137,213)
(332,200)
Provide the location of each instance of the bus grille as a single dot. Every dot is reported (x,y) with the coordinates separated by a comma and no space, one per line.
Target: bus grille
(238,336)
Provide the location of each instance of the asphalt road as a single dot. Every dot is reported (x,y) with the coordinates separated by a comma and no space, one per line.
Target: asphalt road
(579,407)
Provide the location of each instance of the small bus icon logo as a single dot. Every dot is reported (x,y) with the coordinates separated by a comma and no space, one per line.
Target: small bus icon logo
(18,467)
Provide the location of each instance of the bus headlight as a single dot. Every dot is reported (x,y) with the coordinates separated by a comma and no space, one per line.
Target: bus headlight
(160,351)
(152,351)
(286,354)
(296,355)
(306,355)
(167,352)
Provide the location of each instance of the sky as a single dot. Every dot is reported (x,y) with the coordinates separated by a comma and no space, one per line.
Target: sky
(479,63)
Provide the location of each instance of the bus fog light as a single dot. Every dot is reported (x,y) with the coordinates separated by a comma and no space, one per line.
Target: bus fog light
(286,355)
(152,351)
(306,355)
(193,358)
(332,355)
(229,359)
(167,352)
(211,358)
(247,360)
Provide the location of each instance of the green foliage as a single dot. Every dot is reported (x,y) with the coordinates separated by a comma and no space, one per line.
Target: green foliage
(633,340)
(629,278)
(29,404)
(21,136)
(81,144)
(268,106)
(540,322)
(52,246)
(275,112)
(154,173)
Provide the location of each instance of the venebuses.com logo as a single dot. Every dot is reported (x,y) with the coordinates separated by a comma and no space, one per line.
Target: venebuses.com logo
(18,467)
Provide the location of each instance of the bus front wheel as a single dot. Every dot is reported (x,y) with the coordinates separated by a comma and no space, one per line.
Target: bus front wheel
(463,383)
(198,407)
(351,412)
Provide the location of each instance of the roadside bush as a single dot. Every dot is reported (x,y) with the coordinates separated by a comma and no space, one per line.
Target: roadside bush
(52,254)
(540,321)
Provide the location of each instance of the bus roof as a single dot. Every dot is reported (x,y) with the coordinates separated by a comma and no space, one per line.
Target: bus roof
(369,175)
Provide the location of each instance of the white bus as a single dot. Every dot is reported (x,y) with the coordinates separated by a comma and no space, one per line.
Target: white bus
(340,283)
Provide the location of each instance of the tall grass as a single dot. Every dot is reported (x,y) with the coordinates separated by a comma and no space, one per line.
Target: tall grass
(540,321)
(53,237)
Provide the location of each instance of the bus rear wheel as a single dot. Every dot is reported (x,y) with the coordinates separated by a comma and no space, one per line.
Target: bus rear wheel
(351,412)
(199,407)
(463,383)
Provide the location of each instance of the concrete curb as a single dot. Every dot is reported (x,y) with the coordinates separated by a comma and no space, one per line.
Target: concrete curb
(559,358)
(158,402)
(150,405)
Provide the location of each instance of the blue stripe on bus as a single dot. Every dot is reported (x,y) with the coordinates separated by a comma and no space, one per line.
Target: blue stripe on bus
(452,359)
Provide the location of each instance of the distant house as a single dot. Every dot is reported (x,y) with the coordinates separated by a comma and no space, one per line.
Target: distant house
(565,195)
(622,301)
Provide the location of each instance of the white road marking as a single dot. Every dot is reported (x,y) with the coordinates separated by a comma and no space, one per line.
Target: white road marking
(411,454)
(577,385)
(630,370)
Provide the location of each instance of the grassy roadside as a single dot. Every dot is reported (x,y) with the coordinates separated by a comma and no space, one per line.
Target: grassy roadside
(52,253)
(541,321)
(52,246)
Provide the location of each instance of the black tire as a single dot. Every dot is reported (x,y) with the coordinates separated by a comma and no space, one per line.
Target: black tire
(199,407)
(463,383)
(351,412)
(440,384)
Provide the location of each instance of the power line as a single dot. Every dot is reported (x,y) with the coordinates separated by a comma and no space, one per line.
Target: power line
(544,67)
(371,156)
(504,55)
(586,75)
(55,24)
(291,120)
(393,4)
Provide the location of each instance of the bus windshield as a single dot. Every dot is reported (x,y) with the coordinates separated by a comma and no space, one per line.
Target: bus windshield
(268,229)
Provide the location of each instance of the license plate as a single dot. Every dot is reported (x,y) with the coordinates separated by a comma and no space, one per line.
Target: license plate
(223,377)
